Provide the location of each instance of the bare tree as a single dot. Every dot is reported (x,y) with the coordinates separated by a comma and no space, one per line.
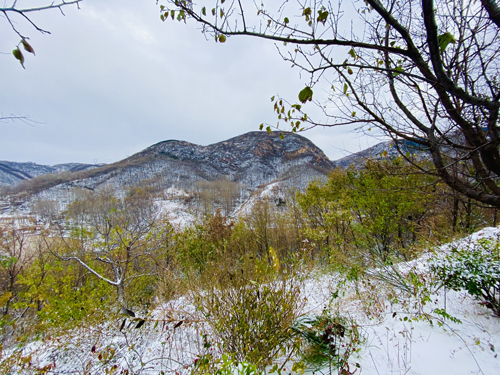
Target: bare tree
(427,73)
(114,235)
(15,236)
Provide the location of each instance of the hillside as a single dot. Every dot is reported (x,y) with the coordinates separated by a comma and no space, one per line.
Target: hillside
(253,159)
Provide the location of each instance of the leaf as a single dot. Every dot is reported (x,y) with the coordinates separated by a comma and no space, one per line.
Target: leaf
(128,312)
(261,126)
(27,47)
(123,324)
(222,38)
(140,324)
(282,136)
(349,70)
(345,88)
(204,11)
(352,53)
(322,16)
(178,324)
(306,94)
(353,114)
(307,13)
(19,56)
(445,39)
(269,129)
(286,20)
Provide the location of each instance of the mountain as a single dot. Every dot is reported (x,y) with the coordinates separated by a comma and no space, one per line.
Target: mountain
(382,150)
(258,162)
(251,160)
(12,173)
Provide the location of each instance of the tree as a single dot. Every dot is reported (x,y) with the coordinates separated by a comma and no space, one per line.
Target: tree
(24,14)
(426,73)
(123,236)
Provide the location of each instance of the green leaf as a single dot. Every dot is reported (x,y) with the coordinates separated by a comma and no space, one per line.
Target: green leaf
(307,13)
(322,16)
(222,38)
(445,39)
(19,56)
(353,114)
(282,136)
(349,70)
(306,94)
(286,20)
(269,129)
(345,88)
(261,126)
(27,46)
(352,53)
(204,11)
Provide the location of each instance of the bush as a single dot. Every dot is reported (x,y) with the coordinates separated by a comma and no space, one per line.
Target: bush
(475,269)
(328,341)
(251,311)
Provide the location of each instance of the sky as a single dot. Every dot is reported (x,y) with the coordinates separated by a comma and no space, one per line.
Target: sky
(112,79)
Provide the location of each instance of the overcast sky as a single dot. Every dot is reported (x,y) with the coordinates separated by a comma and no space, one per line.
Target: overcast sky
(112,79)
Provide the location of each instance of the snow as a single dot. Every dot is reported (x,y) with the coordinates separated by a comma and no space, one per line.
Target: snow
(177,213)
(402,335)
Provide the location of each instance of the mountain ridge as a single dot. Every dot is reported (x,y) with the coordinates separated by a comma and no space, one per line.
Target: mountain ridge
(253,160)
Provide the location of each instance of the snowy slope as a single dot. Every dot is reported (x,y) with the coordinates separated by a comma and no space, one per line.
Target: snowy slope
(399,336)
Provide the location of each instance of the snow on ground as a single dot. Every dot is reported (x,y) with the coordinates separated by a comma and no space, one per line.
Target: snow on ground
(271,191)
(177,213)
(399,336)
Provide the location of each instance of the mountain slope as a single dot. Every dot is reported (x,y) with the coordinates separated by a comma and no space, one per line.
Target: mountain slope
(252,159)
(13,173)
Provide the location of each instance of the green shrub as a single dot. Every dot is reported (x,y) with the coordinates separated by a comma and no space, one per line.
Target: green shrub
(251,313)
(475,269)
(328,341)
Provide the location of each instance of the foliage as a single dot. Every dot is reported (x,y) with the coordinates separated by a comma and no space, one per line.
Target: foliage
(63,295)
(329,341)
(226,366)
(124,236)
(475,269)
(251,310)
(369,214)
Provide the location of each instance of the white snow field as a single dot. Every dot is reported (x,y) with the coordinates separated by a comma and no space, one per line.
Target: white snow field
(399,337)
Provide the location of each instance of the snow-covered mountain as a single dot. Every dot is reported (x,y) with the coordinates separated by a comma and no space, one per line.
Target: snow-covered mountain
(253,160)
(13,173)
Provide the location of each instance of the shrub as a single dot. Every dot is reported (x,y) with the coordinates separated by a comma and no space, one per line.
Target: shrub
(328,341)
(251,312)
(475,269)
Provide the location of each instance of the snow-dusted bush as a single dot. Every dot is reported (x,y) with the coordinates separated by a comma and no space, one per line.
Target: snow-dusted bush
(475,269)
(328,341)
